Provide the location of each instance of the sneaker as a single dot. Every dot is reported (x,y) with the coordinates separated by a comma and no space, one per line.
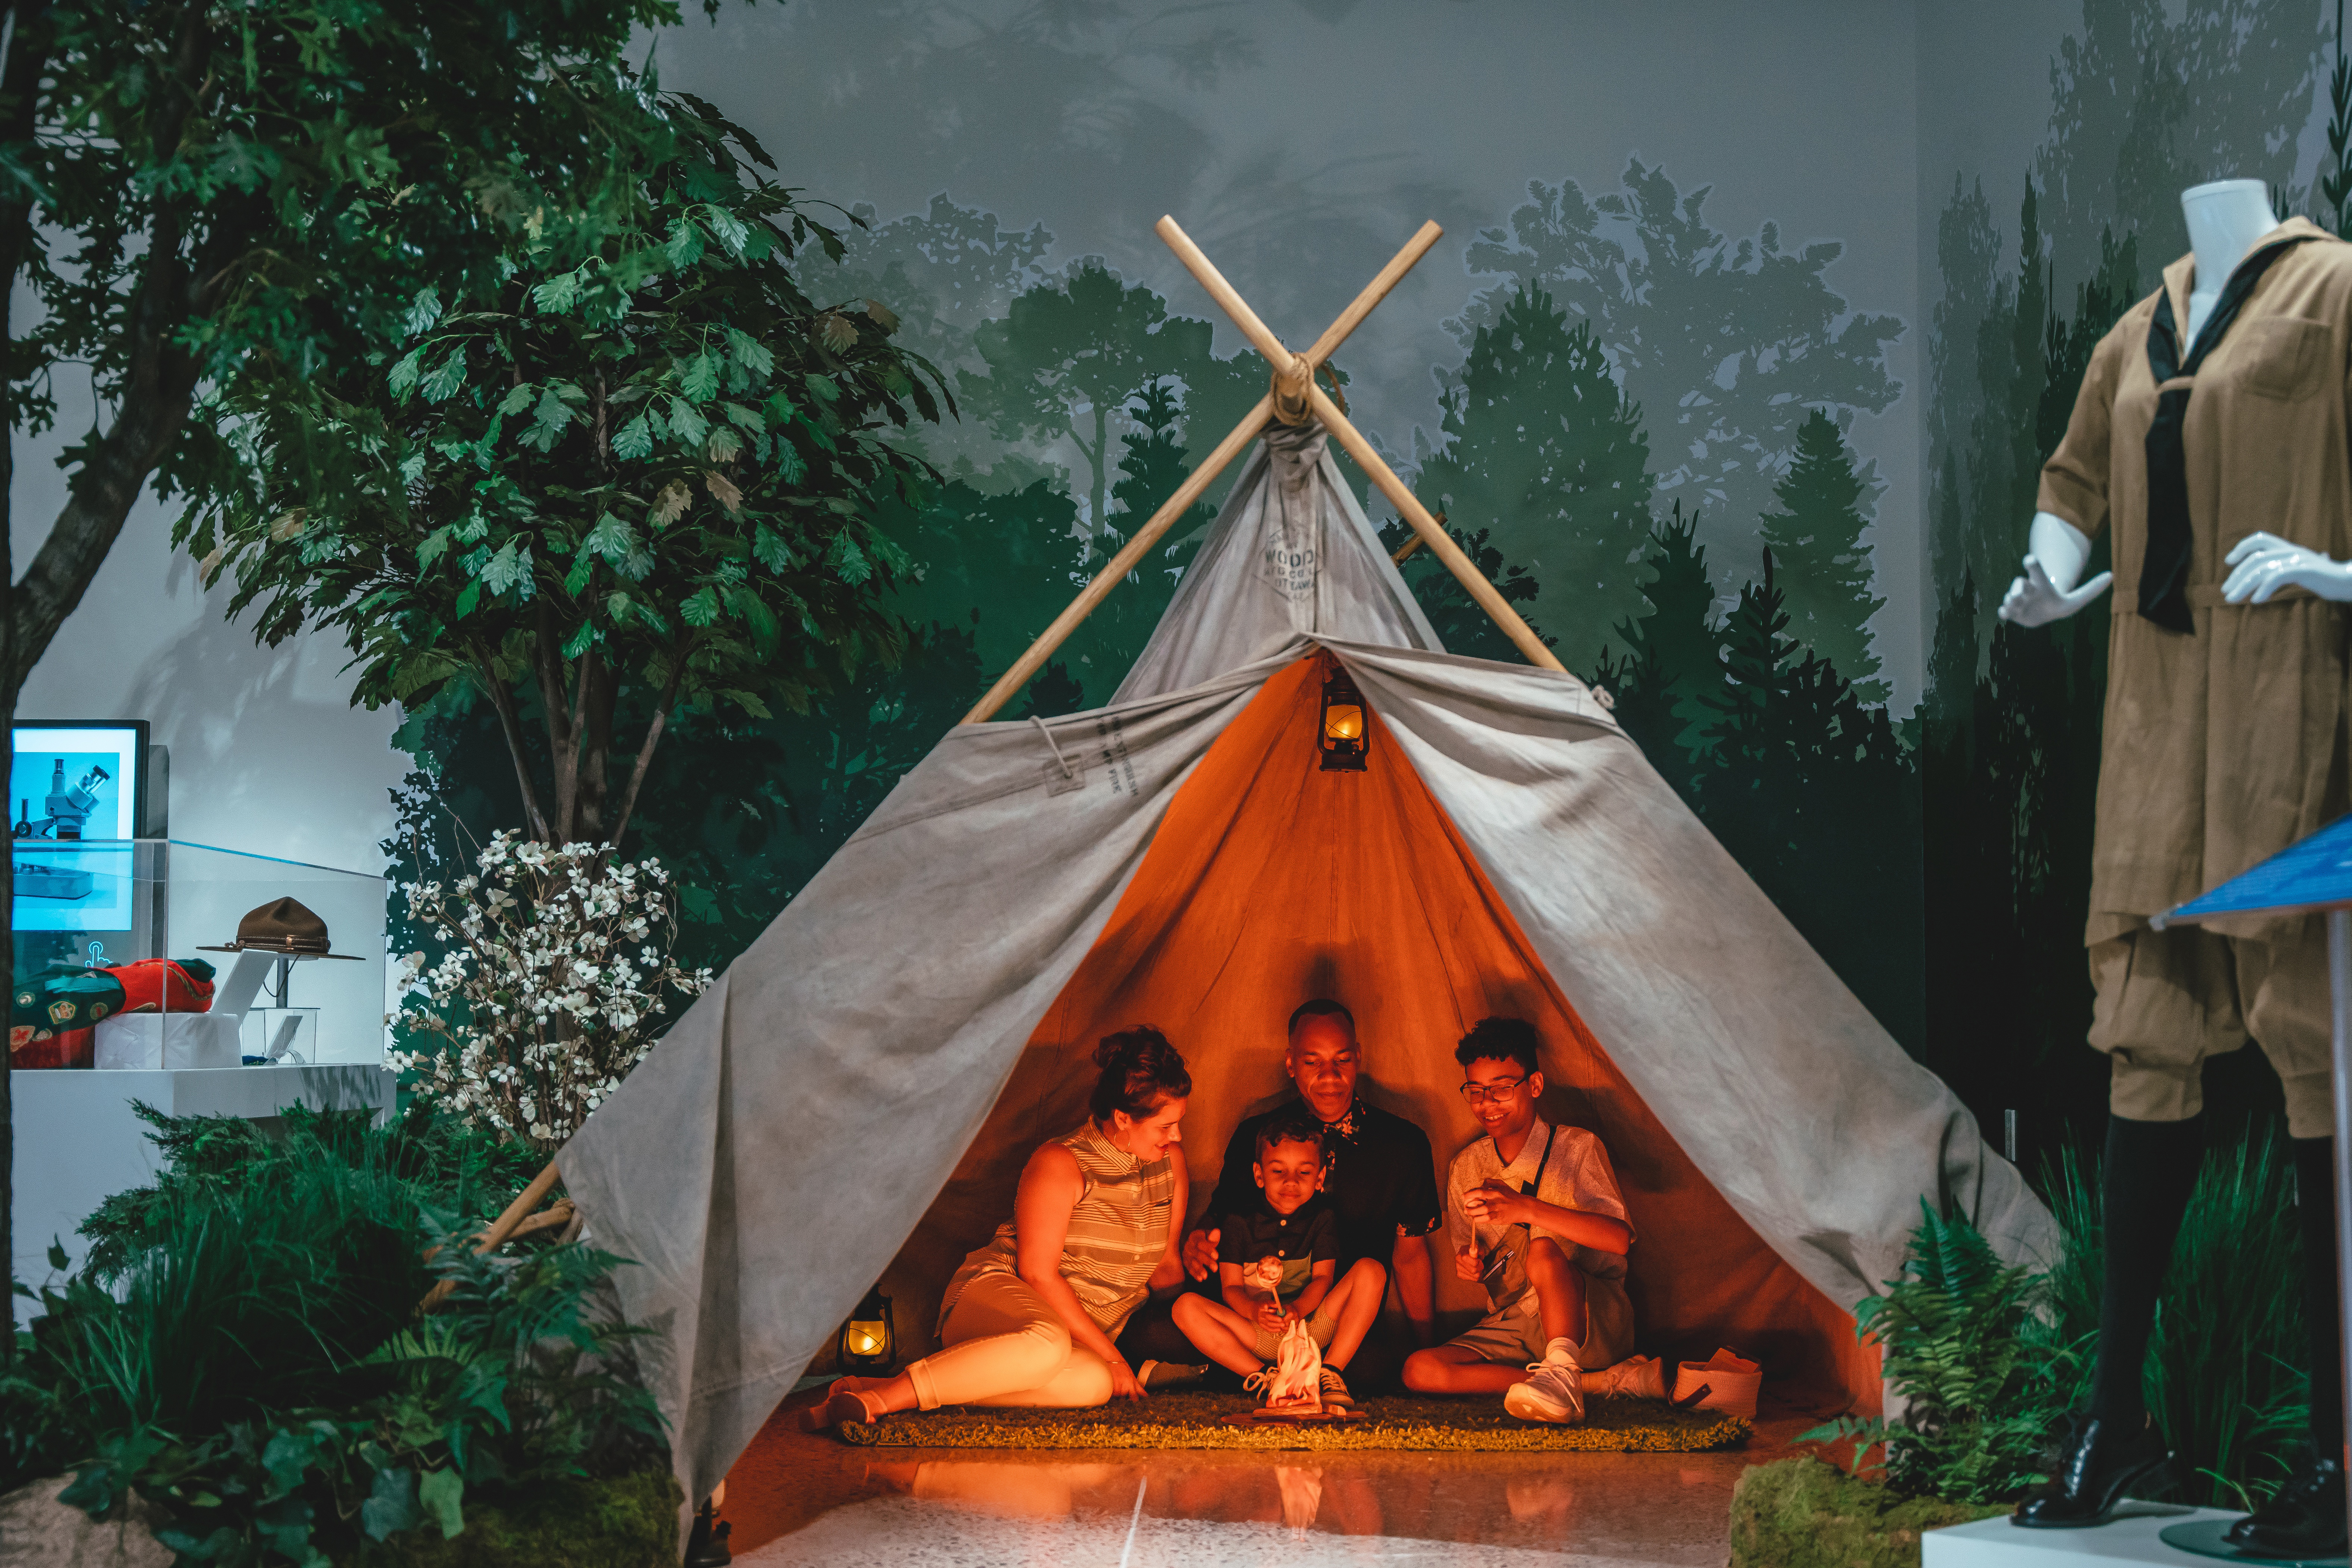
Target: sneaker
(1334,1389)
(1554,1392)
(1641,1377)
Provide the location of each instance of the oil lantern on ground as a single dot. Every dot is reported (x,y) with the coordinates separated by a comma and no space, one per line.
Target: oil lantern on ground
(1346,740)
(866,1344)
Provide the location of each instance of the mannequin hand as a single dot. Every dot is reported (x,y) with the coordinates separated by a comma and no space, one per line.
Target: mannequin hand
(2265,563)
(2033,600)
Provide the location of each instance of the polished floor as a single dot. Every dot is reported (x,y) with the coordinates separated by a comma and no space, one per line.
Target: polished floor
(794,1499)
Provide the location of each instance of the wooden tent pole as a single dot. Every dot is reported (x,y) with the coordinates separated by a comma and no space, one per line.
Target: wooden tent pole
(500,1228)
(1131,555)
(1227,297)
(1431,533)
(1440,543)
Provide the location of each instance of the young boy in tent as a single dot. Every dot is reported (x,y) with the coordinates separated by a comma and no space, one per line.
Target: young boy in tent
(1277,1261)
(1534,1214)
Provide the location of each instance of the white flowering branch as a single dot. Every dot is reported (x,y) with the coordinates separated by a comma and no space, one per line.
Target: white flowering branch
(550,987)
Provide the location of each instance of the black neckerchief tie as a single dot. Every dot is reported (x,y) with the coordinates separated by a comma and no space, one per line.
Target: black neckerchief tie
(2163,569)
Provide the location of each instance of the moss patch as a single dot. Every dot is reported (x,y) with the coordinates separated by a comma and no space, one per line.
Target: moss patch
(1196,1421)
(627,1522)
(1802,1513)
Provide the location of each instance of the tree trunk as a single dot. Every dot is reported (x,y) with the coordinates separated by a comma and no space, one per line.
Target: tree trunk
(29,48)
(1099,460)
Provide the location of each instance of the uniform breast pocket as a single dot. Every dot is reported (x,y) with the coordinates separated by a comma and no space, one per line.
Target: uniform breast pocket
(2283,357)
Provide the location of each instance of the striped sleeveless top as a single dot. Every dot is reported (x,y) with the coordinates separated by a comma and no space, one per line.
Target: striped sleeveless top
(1119,1232)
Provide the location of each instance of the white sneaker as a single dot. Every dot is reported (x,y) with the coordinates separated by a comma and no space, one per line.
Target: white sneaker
(1641,1377)
(1554,1392)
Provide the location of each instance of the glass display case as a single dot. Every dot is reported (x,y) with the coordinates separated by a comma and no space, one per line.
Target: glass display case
(297,951)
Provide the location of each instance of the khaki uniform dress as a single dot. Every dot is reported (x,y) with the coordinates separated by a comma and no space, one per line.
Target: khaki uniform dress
(2224,746)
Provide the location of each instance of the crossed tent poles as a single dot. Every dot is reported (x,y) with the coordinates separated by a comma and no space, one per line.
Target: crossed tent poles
(1293,399)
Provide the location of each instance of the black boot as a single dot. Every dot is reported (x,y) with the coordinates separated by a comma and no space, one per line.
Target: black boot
(2100,1461)
(2306,1520)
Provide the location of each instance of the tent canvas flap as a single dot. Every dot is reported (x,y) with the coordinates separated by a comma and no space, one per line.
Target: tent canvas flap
(763,1166)
(1290,555)
(1791,1098)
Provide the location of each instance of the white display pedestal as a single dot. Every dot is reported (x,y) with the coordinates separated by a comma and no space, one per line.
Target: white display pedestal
(77,1141)
(2130,1537)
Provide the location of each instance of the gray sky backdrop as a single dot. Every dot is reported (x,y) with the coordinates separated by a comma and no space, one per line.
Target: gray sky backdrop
(1301,141)
(1301,155)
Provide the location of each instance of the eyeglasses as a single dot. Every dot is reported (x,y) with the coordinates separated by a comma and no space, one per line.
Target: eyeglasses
(1479,1094)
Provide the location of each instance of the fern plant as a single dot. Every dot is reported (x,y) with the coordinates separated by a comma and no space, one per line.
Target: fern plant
(1958,1334)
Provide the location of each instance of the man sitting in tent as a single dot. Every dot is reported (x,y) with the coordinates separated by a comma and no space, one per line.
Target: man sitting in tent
(1381,1181)
(1533,1212)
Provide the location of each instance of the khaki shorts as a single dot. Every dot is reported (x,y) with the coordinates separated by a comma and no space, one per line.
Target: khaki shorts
(1514,1335)
(1321,1325)
(2169,999)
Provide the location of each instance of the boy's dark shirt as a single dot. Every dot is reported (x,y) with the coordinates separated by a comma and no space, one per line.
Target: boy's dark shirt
(1300,1238)
(1379,1175)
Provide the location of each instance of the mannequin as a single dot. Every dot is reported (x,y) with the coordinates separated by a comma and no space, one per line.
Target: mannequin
(2154,1134)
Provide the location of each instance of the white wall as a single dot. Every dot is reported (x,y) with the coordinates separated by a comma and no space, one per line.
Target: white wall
(268,756)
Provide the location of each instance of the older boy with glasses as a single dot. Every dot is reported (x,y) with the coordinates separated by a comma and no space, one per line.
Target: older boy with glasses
(1534,1214)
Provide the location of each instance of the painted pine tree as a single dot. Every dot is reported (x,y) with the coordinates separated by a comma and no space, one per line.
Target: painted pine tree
(1812,792)
(1824,566)
(1673,663)
(1544,453)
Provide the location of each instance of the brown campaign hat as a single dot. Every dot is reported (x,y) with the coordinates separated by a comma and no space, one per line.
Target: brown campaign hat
(287,926)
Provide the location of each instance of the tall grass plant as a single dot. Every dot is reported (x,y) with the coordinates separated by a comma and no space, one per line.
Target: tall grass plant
(2225,1378)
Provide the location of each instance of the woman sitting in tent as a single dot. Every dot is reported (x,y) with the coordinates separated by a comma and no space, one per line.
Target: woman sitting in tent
(1029,1319)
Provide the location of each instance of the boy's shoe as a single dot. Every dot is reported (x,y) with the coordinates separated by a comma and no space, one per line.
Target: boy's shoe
(1334,1389)
(1638,1377)
(1554,1392)
(1160,1375)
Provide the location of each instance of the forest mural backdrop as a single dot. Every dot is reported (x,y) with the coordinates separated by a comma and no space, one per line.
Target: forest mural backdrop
(1645,423)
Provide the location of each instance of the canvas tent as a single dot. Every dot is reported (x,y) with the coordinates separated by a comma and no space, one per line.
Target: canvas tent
(853,1099)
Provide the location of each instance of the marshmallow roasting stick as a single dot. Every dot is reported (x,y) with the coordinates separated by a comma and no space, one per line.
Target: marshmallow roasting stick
(1294,379)
(1131,555)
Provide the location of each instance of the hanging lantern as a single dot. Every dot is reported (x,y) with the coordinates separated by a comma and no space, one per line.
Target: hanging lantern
(866,1343)
(1346,737)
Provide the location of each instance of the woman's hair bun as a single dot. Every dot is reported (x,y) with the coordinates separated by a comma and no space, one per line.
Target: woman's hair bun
(1140,1069)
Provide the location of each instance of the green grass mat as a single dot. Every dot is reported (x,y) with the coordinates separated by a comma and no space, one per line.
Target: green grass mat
(1194,1421)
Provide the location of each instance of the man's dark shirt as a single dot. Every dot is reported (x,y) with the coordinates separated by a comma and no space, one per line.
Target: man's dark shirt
(1379,1175)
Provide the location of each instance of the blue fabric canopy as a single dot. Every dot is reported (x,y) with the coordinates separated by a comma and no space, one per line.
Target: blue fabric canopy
(2315,873)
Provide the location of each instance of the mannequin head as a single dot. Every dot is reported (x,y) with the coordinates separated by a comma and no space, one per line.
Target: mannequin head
(2225,219)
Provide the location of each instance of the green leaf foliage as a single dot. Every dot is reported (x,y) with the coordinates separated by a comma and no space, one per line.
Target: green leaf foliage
(1957,1334)
(650,460)
(243,1348)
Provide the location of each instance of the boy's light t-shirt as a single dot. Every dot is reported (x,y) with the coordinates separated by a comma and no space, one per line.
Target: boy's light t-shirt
(1579,1176)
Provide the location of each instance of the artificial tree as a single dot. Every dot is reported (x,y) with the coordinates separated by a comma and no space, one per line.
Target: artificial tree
(653,464)
(196,199)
